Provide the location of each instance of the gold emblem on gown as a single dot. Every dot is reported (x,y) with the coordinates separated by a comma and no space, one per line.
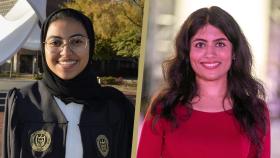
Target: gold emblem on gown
(40,140)
(103,145)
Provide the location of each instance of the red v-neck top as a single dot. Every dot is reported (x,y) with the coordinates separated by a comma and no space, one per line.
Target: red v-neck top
(203,135)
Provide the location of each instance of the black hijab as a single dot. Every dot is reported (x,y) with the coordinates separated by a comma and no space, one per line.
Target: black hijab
(83,88)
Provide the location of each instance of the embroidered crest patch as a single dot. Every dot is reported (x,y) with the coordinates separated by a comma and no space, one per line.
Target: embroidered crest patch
(102,143)
(40,140)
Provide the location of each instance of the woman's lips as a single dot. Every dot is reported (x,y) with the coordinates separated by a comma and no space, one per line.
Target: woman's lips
(210,65)
(67,64)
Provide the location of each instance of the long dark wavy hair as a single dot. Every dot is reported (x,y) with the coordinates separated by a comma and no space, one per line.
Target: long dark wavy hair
(246,92)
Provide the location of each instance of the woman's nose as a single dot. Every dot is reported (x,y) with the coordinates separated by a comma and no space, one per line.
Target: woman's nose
(65,49)
(210,51)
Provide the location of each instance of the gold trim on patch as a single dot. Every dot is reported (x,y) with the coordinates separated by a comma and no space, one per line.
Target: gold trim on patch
(40,140)
(103,145)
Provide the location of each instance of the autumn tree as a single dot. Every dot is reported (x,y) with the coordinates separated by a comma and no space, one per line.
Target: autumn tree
(117,24)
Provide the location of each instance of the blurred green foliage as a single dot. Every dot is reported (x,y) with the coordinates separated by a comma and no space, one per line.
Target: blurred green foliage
(117,24)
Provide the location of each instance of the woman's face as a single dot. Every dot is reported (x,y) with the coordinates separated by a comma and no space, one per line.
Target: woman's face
(66,48)
(210,54)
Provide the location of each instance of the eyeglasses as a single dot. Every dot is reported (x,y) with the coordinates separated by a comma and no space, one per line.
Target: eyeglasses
(76,44)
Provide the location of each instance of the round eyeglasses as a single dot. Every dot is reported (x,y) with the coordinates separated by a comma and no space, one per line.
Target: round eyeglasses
(76,44)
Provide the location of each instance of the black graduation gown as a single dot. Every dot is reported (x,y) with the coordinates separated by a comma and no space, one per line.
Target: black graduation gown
(34,126)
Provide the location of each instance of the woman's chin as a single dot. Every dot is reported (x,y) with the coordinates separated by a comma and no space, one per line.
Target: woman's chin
(66,76)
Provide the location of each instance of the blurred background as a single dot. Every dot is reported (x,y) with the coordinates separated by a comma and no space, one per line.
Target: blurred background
(260,22)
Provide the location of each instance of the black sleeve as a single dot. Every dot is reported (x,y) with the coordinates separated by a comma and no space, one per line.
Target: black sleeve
(125,130)
(7,134)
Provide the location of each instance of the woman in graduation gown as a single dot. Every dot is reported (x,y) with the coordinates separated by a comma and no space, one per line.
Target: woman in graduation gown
(67,114)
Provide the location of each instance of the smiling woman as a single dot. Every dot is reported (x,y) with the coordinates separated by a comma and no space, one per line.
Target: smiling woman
(211,106)
(210,54)
(66,59)
(211,59)
(67,114)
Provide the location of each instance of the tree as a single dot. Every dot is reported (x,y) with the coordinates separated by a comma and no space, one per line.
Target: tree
(117,23)
(127,44)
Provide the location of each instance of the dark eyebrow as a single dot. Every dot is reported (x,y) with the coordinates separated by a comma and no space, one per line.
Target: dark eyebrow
(198,39)
(74,35)
(203,40)
(221,39)
(54,37)
(77,34)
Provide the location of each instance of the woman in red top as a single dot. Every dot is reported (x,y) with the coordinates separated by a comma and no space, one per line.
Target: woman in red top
(211,107)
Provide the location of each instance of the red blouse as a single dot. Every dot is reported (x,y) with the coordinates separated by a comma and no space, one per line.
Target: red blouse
(203,135)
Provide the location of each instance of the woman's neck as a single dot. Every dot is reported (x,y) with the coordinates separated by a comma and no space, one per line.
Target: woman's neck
(212,88)
(212,96)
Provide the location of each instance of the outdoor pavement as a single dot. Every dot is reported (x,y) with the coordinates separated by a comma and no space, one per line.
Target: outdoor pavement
(7,84)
